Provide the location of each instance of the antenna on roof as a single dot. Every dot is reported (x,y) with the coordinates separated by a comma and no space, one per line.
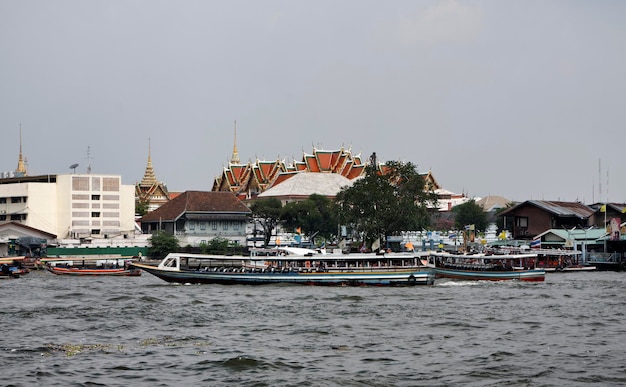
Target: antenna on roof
(88,158)
(74,166)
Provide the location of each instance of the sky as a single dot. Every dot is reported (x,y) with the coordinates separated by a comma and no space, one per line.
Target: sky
(521,99)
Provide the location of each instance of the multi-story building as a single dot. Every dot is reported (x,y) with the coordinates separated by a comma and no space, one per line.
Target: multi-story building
(69,206)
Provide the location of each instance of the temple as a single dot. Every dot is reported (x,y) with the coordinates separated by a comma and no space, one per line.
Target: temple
(150,191)
(249,180)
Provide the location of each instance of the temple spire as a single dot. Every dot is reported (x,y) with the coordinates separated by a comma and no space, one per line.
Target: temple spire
(21,167)
(235,158)
(149,178)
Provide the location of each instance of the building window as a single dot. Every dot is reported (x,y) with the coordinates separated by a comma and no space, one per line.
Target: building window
(111,184)
(225,224)
(80,183)
(3,217)
(18,217)
(16,199)
(3,200)
(522,222)
(95,183)
(235,225)
(202,225)
(192,225)
(214,225)
(95,231)
(95,214)
(95,197)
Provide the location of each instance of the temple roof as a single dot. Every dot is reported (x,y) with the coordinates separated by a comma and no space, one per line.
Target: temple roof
(305,184)
(260,176)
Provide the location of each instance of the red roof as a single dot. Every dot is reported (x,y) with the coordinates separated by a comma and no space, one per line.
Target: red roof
(197,201)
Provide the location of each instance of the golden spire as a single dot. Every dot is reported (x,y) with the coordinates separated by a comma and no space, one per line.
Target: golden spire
(149,178)
(235,158)
(21,167)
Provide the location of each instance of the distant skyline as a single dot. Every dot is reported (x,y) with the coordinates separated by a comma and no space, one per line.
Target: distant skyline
(516,99)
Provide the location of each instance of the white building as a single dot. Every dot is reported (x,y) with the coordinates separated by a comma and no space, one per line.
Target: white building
(69,206)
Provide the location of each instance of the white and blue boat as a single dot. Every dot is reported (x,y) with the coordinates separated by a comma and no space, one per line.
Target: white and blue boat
(286,265)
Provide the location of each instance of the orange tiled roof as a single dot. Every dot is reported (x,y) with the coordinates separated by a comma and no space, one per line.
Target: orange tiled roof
(254,178)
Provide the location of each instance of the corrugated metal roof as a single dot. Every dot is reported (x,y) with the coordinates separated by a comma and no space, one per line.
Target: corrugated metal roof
(562,209)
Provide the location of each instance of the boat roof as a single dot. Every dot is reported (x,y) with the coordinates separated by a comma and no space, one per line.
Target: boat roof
(484,256)
(302,254)
(90,258)
(11,259)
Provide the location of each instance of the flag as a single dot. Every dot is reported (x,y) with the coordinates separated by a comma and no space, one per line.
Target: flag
(535,244)
(603,208)
(376,245)
(452,236)
(624,210)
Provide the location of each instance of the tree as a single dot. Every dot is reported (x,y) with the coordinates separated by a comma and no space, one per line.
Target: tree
(382,204)
(267,213)
(217,245)
(470,213)
(141,207)
(162,244)
(317,215)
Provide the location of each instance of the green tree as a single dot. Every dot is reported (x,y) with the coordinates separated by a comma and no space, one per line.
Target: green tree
(141,207)
(317,215)
(470,213)
(382,204)
(162,243)
(266,212)
(217,245)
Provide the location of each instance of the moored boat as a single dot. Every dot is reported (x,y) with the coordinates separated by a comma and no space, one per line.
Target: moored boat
(12,267)
(91,266)
(480,266)
(291,266)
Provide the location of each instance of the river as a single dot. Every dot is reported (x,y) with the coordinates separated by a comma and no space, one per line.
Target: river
(141,331)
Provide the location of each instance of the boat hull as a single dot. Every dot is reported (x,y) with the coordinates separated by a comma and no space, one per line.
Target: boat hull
(344,278)
(535,275)
(121,272)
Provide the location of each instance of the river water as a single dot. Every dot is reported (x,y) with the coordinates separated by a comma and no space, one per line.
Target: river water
(569,330)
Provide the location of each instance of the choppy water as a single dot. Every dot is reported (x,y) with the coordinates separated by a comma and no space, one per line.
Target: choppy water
(569,330)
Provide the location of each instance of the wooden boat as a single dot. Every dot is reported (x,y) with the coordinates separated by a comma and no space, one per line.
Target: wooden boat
(294,266)
(92,266)
(12,267)
(480,266)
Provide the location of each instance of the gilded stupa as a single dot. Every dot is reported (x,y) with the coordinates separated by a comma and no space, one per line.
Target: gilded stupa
(21,165)
(150,191)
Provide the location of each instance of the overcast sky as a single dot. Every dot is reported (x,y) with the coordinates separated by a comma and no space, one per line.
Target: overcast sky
(522,99)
